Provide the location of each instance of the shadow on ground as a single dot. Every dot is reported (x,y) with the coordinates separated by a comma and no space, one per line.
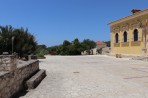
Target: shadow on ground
(20,94)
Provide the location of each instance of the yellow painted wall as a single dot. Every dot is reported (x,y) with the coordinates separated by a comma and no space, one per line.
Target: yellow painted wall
(127,49)
(136,50)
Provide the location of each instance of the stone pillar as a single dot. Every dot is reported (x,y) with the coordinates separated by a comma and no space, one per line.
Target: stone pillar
(8,63)
(111,40)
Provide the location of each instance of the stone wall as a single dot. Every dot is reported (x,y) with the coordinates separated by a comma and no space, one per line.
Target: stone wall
(13,81)
(106,51)
(8,62)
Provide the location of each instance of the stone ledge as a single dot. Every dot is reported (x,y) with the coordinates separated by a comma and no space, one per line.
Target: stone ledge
(125,44)
(36,79)
(116,44)
(12,82)
(135,43)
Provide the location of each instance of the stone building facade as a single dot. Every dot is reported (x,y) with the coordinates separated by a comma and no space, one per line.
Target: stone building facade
(129,35)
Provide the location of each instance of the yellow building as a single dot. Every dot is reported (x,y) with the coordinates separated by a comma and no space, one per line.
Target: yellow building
(129,35)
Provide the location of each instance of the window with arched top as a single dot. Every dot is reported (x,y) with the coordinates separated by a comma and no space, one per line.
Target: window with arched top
(125,36)
(135,35)
(116,38)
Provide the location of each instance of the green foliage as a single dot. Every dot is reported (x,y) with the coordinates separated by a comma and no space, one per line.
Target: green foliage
(53,50)
(5,38)
(88,44)
(72,48)
(24,41)
(41,50)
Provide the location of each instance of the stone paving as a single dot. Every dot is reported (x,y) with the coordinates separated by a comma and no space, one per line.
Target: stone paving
(92,77)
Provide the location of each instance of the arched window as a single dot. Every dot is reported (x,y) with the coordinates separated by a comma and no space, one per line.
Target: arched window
(125,36)
(135,35)
(116,38)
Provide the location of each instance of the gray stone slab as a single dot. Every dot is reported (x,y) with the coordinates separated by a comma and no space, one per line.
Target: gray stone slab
(36,79)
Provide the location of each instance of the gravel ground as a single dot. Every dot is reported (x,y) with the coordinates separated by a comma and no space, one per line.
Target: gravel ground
(92,77)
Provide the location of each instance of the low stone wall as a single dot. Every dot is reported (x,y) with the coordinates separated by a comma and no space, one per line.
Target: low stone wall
(12,82)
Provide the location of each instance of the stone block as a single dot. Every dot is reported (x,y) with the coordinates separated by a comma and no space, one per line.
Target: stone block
(118,56)
(8,63)
(13,82)
(36,79)
(32,57)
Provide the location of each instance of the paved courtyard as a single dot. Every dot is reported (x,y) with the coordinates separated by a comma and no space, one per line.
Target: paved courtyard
(92,77)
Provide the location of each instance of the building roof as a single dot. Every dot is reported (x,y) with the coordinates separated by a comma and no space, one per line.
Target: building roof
(100,43)
(134,15)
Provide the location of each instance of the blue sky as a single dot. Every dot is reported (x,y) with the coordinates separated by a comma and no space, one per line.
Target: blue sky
(53,21)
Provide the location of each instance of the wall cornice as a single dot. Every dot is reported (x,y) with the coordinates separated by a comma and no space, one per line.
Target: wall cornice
(137,14)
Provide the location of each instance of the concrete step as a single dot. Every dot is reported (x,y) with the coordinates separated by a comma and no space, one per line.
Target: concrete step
(36,79)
